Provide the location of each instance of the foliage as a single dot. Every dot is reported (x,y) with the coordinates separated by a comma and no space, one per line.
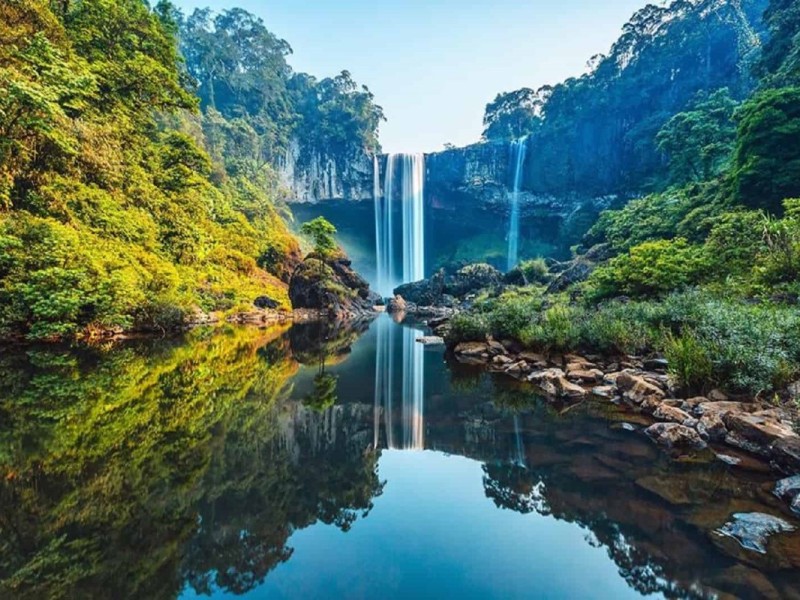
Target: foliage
(323,233)
(699,142)
(118,209)
(242,76)
(649,269)
(689,361)
(767,160)
(596,134)
(145,469)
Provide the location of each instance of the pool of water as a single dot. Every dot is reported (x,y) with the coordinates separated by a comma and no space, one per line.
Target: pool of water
(325,461)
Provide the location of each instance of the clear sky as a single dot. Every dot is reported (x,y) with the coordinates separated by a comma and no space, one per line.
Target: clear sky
(434,64)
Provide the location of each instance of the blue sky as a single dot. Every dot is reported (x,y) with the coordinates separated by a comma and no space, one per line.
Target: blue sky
(434,64)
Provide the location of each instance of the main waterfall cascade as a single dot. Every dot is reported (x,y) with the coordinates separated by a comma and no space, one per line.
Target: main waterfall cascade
(412,376)
(519,152)
(410,170)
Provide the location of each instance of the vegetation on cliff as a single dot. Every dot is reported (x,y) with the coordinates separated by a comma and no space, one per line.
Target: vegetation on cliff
(705,272)
(121,205)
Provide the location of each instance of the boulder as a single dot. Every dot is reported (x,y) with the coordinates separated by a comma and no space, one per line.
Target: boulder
(635,389)
(675,436)
(675,415)
(397,305)
(555,383)
(330,284)
(656,364)
(592,376)
(756,433)
(712,427)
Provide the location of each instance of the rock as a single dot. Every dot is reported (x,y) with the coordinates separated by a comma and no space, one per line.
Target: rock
(753,530)
(593,376)
(755,433)
(711,427)
(579,270)
(624,427)
(534,359)
(330,284)
(396,305)
(669,413)
(502,359)
(656,364)
(471,349)
(266,303)
(636,389)
(605,391)
(555,383)
(675,436)
(431,340)
(788,490)
(786,454)
(444,288)
(717,396)
(496,347)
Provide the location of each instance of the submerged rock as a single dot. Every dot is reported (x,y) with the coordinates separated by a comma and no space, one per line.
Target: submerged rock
(431,340)
(789,490)
(753,530)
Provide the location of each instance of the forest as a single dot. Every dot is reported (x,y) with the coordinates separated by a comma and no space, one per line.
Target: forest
(137,152)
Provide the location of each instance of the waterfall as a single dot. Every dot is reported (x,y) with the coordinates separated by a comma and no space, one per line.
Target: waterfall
(520,460)
(409,378)
(409,169)
(519,151)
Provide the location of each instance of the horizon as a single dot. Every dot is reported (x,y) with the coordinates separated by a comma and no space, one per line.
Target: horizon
(427,100)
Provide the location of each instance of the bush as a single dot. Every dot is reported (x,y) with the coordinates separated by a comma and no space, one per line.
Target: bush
(558,329)
(689,361)
(535,271)
(468,327)
(650,269)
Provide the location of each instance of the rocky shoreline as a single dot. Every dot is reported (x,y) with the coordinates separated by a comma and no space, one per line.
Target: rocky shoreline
(743,433)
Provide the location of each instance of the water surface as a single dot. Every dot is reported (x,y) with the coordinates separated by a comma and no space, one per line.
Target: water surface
(323,461)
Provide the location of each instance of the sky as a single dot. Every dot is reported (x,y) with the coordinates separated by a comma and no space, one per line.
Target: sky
(433,65)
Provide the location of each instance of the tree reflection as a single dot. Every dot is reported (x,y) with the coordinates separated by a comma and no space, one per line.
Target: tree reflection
(125,472)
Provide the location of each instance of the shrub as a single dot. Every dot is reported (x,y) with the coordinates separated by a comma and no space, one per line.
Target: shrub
(468,327)
(535,271)
(558,329)
(689,360)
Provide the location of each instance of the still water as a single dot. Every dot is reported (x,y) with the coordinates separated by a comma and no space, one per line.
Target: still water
(332,462)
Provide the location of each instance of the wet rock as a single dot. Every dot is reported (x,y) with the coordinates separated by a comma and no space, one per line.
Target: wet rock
(788,490)
(624,427)
(753,530)
(636,389)
(668,488)
(502,359)
(554,382)
(675,436)
(717,396)
(534,359)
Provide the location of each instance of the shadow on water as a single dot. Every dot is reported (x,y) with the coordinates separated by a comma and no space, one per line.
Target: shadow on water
(160,468)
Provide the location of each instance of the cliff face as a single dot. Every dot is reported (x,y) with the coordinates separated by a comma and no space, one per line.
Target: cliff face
(312,176)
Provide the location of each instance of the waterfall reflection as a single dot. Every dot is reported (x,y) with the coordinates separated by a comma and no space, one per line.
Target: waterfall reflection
(409,378)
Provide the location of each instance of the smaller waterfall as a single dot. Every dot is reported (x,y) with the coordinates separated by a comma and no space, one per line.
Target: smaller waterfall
(519,152)
(413,193)
(413,389)
(384,228)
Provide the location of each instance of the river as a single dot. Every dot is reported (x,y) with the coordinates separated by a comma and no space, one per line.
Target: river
(324,461)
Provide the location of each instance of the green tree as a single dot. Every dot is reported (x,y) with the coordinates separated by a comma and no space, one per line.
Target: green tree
(767,161)
(323,233)
(700,141)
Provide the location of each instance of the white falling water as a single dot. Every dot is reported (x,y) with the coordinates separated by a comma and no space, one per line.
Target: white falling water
(409,169)
(411,373)
(519,151)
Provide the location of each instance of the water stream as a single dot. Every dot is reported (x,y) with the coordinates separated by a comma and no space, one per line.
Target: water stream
(519,152)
